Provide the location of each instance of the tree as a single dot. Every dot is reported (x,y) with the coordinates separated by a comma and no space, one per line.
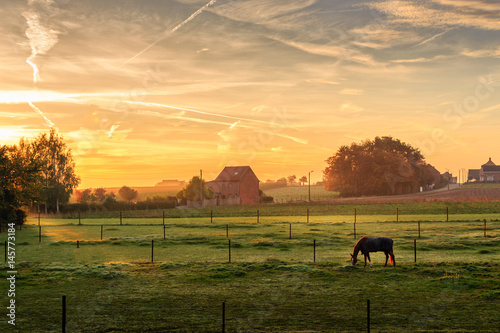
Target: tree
(57,173)
(18,182)
(303,180)
(100,194)
(379,167)
(291,179)
(128,194)
(83,196)
(193,191)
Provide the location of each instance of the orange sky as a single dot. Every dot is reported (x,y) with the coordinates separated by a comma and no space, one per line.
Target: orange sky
(145,90)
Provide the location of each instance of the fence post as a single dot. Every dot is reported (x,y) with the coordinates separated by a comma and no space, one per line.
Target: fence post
(223,317)
(152,249)
(77,244)
(368,315)
(39,234)
(354,229)
(415,249)
(64,313)
(229,248)
(164,235)
(290,233)
(258,213)
(447,214)
(484,228)
(419,229)
(314,246)
(227,230)
(102,230)
(163,218)
(38,218)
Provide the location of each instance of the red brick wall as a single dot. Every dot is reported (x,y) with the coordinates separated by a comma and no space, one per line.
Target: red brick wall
(249,189)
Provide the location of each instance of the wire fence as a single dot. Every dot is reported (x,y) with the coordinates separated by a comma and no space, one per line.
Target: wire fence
(76,314)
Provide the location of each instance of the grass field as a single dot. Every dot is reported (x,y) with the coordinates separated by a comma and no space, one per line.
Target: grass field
(272,284)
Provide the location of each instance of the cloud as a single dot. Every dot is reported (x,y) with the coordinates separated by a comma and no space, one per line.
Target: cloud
(430,14)
(356,92)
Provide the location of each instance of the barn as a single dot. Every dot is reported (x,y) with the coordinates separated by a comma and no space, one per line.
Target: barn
(235,185)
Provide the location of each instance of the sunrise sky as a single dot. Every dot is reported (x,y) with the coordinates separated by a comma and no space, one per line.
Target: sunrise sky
(150,90)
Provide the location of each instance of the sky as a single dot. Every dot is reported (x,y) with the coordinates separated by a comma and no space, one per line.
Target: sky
(143,91)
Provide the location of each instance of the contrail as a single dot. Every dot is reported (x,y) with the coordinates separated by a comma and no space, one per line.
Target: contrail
(41,39)
(51,124)
(199,11)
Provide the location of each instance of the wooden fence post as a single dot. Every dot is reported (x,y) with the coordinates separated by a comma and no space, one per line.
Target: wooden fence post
(447,214)
(258,215)
(419,229)
(152,249)
(164,218)
(314,251)
(484,228)
(229,248)
(77,244)
(368,315)
(64,314)
(415,249)
(227,230)
(164,234)
(223,317)
(39,234)
(290,233)
(102,230)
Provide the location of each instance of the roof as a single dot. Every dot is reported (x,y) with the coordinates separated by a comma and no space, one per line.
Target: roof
(491,168)
(489,163)
(233,173)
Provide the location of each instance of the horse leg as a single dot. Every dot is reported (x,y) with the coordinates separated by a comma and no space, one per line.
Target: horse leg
(386,257)
(369,259)
(365,259)
(393,260)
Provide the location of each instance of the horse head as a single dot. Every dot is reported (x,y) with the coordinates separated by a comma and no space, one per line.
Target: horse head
(354,259)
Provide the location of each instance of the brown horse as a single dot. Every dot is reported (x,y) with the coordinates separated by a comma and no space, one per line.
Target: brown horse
(373,244)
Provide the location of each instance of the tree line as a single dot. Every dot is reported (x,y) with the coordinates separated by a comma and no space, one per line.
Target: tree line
(38,172)
(383,166)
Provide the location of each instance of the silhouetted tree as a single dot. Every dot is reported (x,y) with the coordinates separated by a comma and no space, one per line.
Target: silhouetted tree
(192,191)
(303,180)
(379,167)
(128,194)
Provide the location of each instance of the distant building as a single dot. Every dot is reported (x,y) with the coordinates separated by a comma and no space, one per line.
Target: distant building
(489,173)
(235,185)
(172,183)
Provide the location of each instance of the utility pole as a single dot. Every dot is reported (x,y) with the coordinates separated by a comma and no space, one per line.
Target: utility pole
(310,185)
(201,188)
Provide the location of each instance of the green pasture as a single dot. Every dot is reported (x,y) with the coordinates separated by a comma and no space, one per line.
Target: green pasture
(301,193)
(273,282)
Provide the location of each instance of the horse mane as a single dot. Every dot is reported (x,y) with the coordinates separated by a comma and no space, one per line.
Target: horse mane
(358,245)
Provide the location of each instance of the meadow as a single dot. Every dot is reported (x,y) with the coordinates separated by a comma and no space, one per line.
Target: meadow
(145,276)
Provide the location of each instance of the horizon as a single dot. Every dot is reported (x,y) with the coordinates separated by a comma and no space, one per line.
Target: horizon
(143,92)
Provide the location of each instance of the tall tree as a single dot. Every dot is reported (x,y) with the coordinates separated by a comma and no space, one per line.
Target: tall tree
(379,167)
(18,186)
(303,180)
(128,194)
(194,191)
(57,172)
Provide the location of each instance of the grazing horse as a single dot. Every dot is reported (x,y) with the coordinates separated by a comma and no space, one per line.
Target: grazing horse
(373,244)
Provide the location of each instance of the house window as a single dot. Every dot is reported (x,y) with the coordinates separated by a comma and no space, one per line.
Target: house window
(490,178)
(230,186)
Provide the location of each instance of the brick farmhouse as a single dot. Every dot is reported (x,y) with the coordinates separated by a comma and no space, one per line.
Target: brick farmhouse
(489,173)
(235,185)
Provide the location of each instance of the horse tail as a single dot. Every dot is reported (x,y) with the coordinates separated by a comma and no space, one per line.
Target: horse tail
(393,260)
